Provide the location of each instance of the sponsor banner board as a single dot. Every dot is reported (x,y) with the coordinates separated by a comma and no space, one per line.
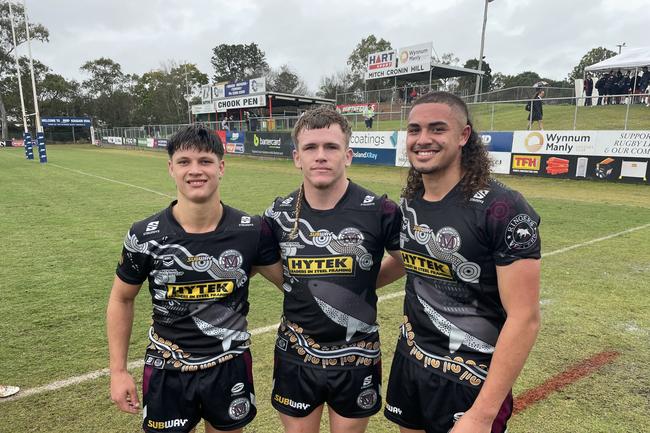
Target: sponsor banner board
(374,140)
(5,143)
(206,94)
(66,121)
(497,141)
(151,142)
(373,156)
(246,87)
(354,108)
(162,142)
(633,144)
(142,142)
(405,60)
(18,142)
(271,144)
(131,141)
(235,142)
(203,108)
(500,162)
(224,105)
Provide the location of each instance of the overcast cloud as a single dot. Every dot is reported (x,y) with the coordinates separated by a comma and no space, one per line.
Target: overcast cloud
(315,37)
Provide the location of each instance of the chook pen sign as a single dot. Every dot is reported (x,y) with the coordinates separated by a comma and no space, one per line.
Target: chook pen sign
(406,60)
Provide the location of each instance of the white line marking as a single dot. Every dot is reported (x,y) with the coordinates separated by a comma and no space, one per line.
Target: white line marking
(111,180)
(593,241)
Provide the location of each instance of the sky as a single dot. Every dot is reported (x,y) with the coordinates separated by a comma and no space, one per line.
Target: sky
(315,37)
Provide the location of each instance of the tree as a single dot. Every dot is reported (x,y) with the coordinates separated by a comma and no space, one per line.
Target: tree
(449,84)
(160,94)
(105,77)
(238,62)
(594,55)
(523,79)
(467,84)
(335,84)
(358,59)
(285,80)
(7,64)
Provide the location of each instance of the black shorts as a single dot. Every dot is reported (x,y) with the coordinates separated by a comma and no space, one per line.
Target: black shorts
(174,401)
(353,392)
(420,399)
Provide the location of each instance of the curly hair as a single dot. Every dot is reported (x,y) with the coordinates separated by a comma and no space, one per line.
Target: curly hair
(475,162)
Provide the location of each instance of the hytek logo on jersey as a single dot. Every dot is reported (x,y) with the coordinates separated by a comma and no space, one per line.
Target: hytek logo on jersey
(425,266)
(333,265)
(200,291)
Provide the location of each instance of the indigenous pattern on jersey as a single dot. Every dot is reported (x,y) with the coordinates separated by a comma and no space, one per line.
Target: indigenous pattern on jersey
(198,285)
(452,309)
(330,275)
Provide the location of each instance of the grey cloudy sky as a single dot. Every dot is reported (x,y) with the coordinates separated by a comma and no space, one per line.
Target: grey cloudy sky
(315,37)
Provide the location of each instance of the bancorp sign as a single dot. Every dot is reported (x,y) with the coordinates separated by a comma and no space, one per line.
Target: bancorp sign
(374,140)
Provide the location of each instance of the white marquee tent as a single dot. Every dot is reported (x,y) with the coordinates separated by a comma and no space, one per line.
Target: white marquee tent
(630,59)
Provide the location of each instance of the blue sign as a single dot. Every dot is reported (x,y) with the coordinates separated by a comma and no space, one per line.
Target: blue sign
(27,142)
(66,121)
(236,89)
(374,156)
(497,141)
(42,154)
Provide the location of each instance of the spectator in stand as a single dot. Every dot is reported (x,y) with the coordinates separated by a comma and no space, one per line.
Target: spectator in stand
(224,123)
(600,86)
(610,88)
(643,85)
(588,88)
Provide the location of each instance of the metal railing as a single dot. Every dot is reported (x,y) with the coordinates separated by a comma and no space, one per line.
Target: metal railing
(623,111)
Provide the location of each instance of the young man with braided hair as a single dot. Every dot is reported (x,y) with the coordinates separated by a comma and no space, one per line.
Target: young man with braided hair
(332,234)
(471,250)
(198,255)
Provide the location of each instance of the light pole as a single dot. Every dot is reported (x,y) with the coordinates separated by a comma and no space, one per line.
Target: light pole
(480,56)
(620,46)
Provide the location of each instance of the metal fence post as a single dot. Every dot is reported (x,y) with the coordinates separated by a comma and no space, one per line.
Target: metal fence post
(627,113)
(575,114)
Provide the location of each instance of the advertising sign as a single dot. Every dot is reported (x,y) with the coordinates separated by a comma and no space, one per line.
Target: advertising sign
(273,144)
(224,105)
(497,141)
(354,108)
(235,142)
(500,162)
(374,140)
(247,87)
(406,60)
(66,121)
(373,156)
(206,93)
(203,108)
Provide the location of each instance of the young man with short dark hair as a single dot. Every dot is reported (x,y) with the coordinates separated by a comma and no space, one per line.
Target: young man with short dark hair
(197,255)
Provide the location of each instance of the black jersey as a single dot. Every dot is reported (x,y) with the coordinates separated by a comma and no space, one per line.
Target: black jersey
(330,268)
(198,284)
(453,312)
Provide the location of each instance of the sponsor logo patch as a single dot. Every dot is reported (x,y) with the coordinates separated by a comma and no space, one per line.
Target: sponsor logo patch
(333,265)
(521,232)
(200,291)
(285,401)
(426,266)
(161,425)
(237,389)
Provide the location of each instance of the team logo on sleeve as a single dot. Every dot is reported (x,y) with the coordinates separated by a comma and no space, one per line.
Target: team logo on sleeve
(521,232)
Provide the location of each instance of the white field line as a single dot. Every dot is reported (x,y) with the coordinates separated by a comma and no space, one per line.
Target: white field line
(257,331)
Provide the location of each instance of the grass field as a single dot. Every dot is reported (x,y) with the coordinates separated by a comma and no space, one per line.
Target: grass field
(62,225)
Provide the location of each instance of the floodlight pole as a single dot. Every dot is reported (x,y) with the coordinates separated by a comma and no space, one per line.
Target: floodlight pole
(480,56)
(20,85)
(620,46)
